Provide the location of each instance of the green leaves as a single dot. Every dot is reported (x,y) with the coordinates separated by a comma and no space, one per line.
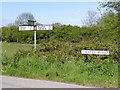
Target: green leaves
(113,5)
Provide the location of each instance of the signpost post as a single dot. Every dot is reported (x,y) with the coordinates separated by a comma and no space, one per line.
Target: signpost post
(32,27)
(34,40)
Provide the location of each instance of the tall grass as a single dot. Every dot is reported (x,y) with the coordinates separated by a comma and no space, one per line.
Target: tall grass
(77,72)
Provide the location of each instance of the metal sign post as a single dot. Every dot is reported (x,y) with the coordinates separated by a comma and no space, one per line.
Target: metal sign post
(34,40)
(33,27)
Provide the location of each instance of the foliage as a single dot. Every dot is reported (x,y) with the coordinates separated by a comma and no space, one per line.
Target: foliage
(43,65)
(106,28)
(99,37)
(112,5)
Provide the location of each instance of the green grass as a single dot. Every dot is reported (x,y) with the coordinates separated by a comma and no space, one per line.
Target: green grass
(55,65)
(74,72)
(10,49)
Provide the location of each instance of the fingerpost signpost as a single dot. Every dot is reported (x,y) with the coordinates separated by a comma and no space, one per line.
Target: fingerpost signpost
(32,27)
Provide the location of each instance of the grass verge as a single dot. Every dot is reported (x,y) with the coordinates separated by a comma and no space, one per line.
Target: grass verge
(54,63)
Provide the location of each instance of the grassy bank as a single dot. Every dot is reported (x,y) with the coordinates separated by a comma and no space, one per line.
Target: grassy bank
(56,61)
(76,72)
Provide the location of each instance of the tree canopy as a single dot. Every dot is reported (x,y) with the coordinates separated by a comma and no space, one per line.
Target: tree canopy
(23,18)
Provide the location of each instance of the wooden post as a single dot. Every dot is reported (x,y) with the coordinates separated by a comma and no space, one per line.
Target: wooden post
(86,56)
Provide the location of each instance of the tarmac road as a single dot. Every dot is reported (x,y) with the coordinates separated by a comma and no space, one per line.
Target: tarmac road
(15,82)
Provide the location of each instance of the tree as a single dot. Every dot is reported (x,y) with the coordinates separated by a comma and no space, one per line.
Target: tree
(56,24)
(91,18)
(111,5)
(23,18)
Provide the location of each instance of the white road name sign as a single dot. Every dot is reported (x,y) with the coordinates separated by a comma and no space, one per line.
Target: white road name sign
(26,28)
(99,52)
(45,27)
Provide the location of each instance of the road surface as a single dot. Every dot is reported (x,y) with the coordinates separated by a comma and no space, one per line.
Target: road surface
(15,82)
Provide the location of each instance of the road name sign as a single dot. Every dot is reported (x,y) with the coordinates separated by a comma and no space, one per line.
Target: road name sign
(46,27)
(98,52)
(26,28)
(31,28)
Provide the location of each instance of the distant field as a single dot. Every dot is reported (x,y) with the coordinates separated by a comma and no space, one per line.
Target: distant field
(11,48)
